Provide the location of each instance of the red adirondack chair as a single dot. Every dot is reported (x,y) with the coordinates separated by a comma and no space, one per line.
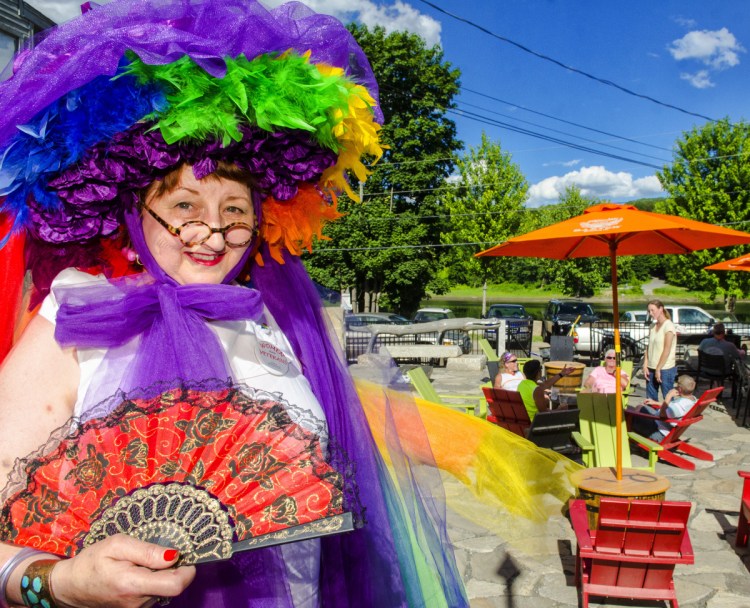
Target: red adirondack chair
(743,527)
(673,441)
(633,551)
(507,410)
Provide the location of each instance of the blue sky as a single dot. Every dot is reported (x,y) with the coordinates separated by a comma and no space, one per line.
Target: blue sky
(691,54)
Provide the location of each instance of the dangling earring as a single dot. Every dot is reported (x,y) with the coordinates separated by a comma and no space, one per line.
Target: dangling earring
(131,256)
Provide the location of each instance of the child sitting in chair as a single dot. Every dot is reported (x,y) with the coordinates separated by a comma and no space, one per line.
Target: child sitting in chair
(676,404)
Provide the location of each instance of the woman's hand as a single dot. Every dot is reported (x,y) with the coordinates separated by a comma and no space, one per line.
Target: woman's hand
(657,375)
(646,373)
(120,572)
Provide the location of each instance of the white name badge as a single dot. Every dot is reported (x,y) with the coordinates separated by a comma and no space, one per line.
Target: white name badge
(272,358)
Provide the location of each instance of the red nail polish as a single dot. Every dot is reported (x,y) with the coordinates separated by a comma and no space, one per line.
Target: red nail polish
(170,555)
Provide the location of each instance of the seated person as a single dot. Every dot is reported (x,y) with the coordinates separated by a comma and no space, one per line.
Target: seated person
(719,345)
(534,392)
(602,378)
(509,377)
(676,404)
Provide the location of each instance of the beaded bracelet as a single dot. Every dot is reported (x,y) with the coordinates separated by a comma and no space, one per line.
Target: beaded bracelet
(36,584)
(8,568)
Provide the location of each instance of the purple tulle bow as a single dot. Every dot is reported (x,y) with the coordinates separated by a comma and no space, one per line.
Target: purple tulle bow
(171,320)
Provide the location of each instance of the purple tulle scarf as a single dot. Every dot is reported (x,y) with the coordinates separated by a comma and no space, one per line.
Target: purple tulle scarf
(360,568)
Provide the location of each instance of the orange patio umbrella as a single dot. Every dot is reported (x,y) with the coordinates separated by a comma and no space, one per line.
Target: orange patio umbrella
(611,230)
(740,263)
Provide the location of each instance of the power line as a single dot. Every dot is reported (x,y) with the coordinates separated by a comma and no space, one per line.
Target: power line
(568,122)
(527,122)
(389,247)
(489,121)
(563,65)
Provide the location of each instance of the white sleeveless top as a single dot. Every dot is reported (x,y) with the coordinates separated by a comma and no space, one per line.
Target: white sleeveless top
(259,355)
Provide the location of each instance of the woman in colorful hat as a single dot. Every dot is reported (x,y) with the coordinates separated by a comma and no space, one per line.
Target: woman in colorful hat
(156,157)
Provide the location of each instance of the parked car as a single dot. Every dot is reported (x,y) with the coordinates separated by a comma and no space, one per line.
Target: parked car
(692,324)
(423,315)
(374,318)
(635,316)
(456,337)
(559,317)
(688,320)
(519,323)
(357,334)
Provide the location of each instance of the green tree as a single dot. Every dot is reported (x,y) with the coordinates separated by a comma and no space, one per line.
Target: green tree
(401,197)
(709,181)
(485,204)
(385,269)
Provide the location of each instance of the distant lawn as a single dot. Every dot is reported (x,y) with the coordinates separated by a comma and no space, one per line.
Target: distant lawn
(502,291)
(516,291)
(671,292)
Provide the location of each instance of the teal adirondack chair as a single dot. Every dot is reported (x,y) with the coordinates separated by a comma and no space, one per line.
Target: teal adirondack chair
(598,439)
(469,404)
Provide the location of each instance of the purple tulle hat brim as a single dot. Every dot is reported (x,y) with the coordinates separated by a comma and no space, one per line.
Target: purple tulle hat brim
(161,32)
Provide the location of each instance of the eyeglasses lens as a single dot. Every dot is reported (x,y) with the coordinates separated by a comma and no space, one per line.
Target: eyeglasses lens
(194,233)
(609,357)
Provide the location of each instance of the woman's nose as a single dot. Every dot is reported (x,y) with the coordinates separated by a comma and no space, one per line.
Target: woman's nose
(216,241)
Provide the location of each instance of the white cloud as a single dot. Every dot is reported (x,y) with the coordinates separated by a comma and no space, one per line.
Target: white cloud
(563,163)
(700,80)
(398,16)
(595,182)
(685,22)
(717,49)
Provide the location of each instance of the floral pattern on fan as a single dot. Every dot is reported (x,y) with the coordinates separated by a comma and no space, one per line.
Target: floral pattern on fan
(266,471)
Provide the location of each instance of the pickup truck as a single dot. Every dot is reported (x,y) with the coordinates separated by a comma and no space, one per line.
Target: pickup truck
(559,317)
(692,323)
(691,320)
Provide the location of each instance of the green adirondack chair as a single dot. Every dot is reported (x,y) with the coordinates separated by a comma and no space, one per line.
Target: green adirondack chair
(469,404)
(487,350)
(597,438)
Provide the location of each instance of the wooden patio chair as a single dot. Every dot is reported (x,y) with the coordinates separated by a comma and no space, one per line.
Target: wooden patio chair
(506,409)
(470,404)
(673,441)
(633,551)
(743,525)
(493,368)
(717,369)
(741,402)
(554,430)
(598,436)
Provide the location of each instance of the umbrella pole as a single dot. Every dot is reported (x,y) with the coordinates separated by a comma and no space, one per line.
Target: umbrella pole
(618,382)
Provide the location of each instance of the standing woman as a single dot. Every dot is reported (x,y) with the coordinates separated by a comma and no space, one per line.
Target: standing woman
(659,365)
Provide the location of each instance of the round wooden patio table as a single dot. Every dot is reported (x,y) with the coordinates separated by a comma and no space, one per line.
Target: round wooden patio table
(596,482)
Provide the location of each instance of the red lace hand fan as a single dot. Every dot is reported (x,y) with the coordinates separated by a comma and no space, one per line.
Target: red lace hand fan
(194,470)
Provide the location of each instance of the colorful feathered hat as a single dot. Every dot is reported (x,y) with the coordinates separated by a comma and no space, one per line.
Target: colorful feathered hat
(131,90)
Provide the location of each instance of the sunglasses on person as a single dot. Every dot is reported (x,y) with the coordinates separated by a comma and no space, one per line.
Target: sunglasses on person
(610,357)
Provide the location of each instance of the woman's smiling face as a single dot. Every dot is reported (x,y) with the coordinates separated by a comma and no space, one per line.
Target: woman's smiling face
(213,200)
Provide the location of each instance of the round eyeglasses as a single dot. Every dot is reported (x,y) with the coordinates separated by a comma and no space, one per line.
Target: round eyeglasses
(195,232)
